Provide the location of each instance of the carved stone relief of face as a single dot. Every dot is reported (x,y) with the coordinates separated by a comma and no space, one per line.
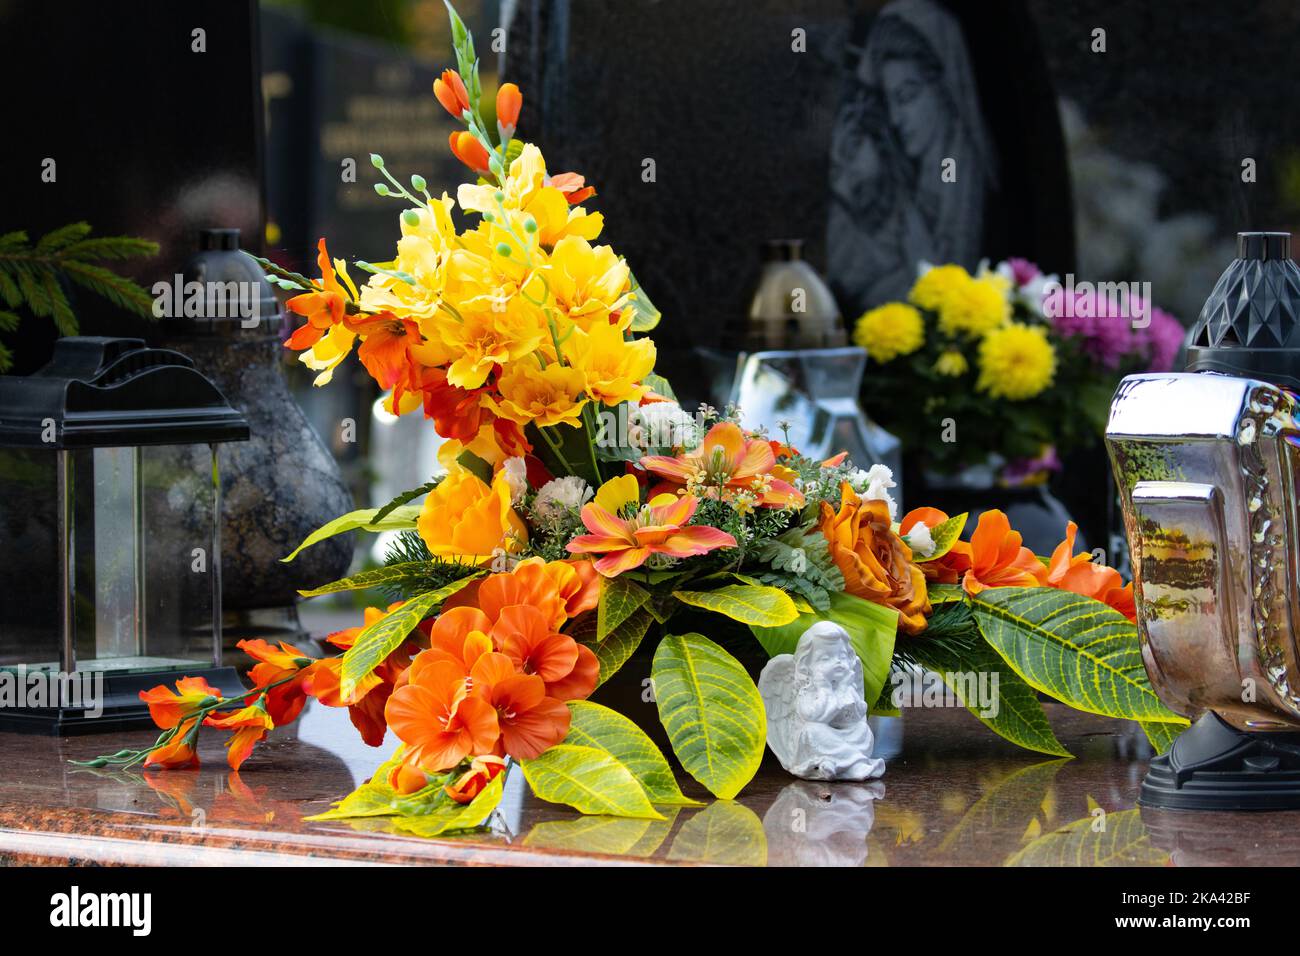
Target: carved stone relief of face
(916,107)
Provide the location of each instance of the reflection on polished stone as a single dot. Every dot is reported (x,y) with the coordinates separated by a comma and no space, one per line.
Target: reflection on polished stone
(954,794)
(821,824)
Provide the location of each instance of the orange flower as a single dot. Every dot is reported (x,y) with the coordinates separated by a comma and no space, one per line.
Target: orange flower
(470,784)
(509,102)
(529,582)
(876,563)
(997,558)
(451,93)
(658,527)
(1078,573)
(728,462)
(568,669)
(437,719)
(530,720)
(385,351)
(323,309)
(406,778)
(366,703)
(250,724)
(949,568)
(179,750)
(573,186)
(284,702)
(469,151)
(578,583)
(465,519)
(168,708)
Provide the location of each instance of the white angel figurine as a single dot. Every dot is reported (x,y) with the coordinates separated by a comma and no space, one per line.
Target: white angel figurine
(816,717)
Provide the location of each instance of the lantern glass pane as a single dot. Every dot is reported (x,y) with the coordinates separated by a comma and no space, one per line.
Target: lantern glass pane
(30,597)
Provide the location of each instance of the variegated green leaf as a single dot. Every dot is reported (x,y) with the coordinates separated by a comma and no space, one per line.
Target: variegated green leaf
(381,638)
(399,519)
(712,712)
(945,534)
(1075,648)
(398,573)
(450,815)
(1014,713)
(757,605)
(1162,734)
(608,730)
(618,646)
(589,780)
(620,598)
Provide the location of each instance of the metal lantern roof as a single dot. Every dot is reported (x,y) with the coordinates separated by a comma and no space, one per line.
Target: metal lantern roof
(114,392)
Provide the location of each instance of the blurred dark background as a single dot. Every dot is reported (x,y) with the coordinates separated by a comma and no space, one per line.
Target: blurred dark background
(1125,164)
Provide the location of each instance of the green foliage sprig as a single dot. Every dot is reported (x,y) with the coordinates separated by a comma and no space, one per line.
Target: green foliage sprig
(32,276)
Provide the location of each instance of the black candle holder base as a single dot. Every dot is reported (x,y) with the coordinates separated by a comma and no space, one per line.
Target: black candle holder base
(1214,766)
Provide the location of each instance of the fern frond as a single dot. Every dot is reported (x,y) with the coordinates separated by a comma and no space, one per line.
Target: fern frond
(13,240)
(60,308)
(110,247)
(9,291)
(9,321)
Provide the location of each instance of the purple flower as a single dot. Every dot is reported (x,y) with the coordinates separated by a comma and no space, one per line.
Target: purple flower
(1023,271)
(1105,327)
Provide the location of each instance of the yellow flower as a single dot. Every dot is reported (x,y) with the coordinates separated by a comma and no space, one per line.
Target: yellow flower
(483,340)
(589,282)
(525,195)
(965,304)
(466,519)
(1016,362)
(937,286)
(548,396)
(889,331)
(951,363)
(613,366)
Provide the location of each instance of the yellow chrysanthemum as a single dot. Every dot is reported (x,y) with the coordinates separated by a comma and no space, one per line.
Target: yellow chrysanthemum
(951,363)
(937,286)
(889,331)
(614,367)
(1016,362)
(965,304)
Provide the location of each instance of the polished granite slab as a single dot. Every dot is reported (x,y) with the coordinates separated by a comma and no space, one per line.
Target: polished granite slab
(953,795)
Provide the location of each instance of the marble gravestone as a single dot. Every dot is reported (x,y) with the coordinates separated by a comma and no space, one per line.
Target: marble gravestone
(745,120)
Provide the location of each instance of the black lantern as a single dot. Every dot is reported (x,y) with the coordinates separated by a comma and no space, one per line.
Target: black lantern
(110,534)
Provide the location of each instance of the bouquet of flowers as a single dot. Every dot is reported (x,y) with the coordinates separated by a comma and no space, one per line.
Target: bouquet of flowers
(1006,361)
(583,512)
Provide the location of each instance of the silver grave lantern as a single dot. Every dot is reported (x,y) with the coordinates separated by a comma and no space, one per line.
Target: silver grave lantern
(110,503)
(1208,468)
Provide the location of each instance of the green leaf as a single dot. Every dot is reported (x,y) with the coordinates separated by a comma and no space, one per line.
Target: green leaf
(381,638)
(619,600)
(660,385)
(644,314)
(608,730)
(401,519)
(1162,734)
(1016,715)
(945,594)
(405,498)
(589,780)
(450,815)
(872,629)
(757,605)
(375,798)
(400,573)
(1074,648)
(722,834)
(945,534)
(618,645)
(1117,839)
(712,712)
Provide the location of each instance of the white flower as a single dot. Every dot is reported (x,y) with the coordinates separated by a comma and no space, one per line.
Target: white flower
(920,541)
(515,473)
(561,496)
(879,480)
(665,425)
